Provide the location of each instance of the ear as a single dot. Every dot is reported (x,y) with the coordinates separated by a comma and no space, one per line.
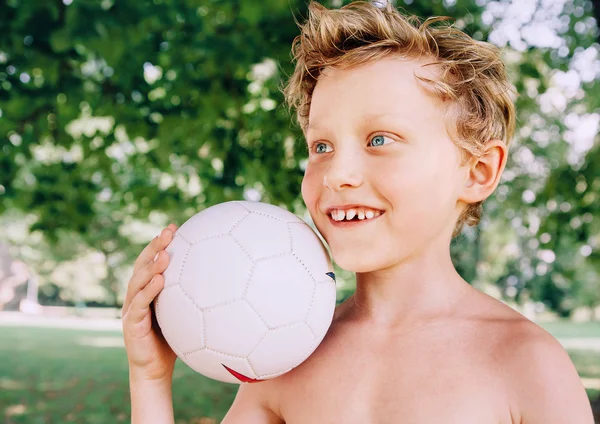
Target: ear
(483,174)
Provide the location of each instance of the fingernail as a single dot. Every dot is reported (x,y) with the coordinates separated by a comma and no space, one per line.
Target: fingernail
(156,257)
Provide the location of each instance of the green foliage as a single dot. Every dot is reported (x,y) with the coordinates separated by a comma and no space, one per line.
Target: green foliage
(88,59)
(117,112)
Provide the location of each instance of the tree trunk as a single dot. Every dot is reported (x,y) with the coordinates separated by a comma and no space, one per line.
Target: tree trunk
(596,8)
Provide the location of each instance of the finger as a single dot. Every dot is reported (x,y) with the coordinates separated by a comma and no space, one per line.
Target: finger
(141,278)
(172,227)
(140,305)
(157,244)
(144,275)
(149,252)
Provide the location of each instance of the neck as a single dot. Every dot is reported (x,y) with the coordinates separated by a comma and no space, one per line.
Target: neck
(419,289)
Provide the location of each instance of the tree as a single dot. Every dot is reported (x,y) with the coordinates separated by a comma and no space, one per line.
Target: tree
(124,114)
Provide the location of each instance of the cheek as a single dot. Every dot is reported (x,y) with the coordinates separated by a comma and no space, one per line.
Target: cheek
(420,186)
(310,188)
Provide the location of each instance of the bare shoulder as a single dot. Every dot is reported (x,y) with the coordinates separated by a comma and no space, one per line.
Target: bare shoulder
(545,381)
(260,403)
(254,404)
(542,381)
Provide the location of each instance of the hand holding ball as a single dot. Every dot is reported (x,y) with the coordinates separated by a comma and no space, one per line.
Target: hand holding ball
(249,292)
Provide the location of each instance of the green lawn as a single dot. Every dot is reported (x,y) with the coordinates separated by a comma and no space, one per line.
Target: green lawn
(566,329)
(58,375)
(55,376)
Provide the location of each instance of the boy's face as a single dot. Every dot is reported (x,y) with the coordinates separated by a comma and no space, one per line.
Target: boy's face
(378,137)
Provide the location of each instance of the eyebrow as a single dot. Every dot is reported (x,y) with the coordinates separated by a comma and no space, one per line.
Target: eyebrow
(368,118)
(312,126)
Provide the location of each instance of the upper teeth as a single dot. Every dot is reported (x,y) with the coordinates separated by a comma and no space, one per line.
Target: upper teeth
(340,215)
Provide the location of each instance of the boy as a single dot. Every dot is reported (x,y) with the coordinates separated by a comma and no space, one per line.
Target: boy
(407,128)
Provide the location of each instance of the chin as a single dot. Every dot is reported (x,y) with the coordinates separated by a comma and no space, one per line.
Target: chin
(356,262)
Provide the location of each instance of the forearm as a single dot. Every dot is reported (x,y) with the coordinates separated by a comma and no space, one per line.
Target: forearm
(151,401)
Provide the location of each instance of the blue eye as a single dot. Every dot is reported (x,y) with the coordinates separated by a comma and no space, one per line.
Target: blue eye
(318,150)
(378,140)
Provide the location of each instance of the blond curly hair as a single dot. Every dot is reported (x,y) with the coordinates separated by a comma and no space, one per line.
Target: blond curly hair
(471,73)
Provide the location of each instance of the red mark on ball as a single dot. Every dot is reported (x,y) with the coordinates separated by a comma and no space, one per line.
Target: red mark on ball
(241,377)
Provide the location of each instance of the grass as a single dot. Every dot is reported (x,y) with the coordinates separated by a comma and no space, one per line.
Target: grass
(61,375)
(567,329)
(50,375)
(588,366)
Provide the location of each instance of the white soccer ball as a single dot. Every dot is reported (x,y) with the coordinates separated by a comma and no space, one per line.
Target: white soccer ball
(249,292)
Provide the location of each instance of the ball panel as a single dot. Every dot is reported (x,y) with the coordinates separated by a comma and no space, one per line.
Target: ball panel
(280,290)
(234,329)
(309,249)
(321,313)
(282,349)
(211,222)
(211,280)
(273,375)
(177,250)
(210,364)
(274,236)
(271,211)
(182,324)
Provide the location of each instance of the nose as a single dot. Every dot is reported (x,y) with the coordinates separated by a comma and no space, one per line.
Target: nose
(343,172)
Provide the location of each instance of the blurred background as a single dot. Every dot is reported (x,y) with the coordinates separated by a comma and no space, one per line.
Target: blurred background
(117,118)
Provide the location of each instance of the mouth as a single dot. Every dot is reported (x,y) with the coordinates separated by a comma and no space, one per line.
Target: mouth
(356,220)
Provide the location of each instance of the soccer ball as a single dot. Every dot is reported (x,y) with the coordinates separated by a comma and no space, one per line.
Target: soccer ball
(249,292)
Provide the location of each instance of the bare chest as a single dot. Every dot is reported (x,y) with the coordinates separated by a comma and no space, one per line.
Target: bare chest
(429,378)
